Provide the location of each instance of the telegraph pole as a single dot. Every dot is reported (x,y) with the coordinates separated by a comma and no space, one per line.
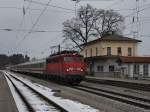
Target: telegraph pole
(135,27)
(137,18)
(76,1)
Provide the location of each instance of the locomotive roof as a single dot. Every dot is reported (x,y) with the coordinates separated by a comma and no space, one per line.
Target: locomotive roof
(63,55)
(64,52)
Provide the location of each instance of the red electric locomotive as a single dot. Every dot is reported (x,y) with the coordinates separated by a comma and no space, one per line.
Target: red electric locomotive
(66,65)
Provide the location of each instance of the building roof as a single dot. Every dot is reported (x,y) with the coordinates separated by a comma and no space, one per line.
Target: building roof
(131,59)
(95,58)
(121,59)
(113,38)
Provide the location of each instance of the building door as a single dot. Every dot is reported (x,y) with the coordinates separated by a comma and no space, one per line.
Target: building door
(111,68)
(136,70)
(145,70)
(91,67)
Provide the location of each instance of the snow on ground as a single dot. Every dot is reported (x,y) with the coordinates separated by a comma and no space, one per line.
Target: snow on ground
(37,103)
(69,105)
(20,105)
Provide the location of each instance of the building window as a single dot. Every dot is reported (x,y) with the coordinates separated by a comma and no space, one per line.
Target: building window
(86,53)
(129,51)
(91,52)
(111,68)
(145,70)
(100,68)
(136,69)
(96,51)
(119,51)
(108,51)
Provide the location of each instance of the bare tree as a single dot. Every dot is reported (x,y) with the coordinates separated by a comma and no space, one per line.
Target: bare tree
(79,29)
(91,22)
(109,22)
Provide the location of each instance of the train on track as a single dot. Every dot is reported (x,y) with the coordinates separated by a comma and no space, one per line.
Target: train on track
(67,66)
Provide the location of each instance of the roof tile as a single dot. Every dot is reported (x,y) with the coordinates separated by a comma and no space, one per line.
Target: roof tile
(131,59)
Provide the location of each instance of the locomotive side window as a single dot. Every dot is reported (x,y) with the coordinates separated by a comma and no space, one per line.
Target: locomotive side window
(52,61)
(68,59)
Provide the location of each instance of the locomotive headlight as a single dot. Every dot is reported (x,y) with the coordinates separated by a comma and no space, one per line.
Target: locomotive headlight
(67,70)
(81,70)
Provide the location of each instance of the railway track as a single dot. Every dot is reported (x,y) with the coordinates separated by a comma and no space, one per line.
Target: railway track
(130,85)
(124,98)
(50,105)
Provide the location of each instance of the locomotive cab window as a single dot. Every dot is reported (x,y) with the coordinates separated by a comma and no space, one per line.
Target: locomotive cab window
(67,59)
(78,58)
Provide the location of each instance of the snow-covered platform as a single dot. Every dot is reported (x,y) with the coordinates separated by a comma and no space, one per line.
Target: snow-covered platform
(7,103)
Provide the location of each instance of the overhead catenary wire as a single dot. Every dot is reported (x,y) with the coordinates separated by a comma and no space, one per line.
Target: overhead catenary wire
(140,10)
(22,21)
(37,9)
(138,22)
(24,30)
(37,20)
(62,10)
(58,11)
(115,3)
(54,6)
(137,18)
(23,18)
(145,8)
(142,22)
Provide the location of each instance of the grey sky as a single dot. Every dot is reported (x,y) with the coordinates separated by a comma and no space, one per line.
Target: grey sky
(38,44)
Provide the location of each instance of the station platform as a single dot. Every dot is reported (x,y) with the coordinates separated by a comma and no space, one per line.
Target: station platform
(7,103)
(128,83)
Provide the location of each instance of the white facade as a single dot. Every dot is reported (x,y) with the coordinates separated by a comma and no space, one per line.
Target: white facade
(149,70)
(111,68)
(130,70)
(141,74)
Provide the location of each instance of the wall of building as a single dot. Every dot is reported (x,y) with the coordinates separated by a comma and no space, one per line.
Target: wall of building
(102,48)
(125,70)
(105,63)
(149,70)
(130,70)
(124,46)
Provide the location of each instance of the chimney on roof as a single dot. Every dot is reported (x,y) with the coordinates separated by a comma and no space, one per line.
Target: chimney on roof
(108,33)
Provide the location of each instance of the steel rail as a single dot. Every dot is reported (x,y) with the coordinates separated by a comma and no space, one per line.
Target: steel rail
(114,97)
(41,95)
(28,105)
(130,85)
(119,94)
